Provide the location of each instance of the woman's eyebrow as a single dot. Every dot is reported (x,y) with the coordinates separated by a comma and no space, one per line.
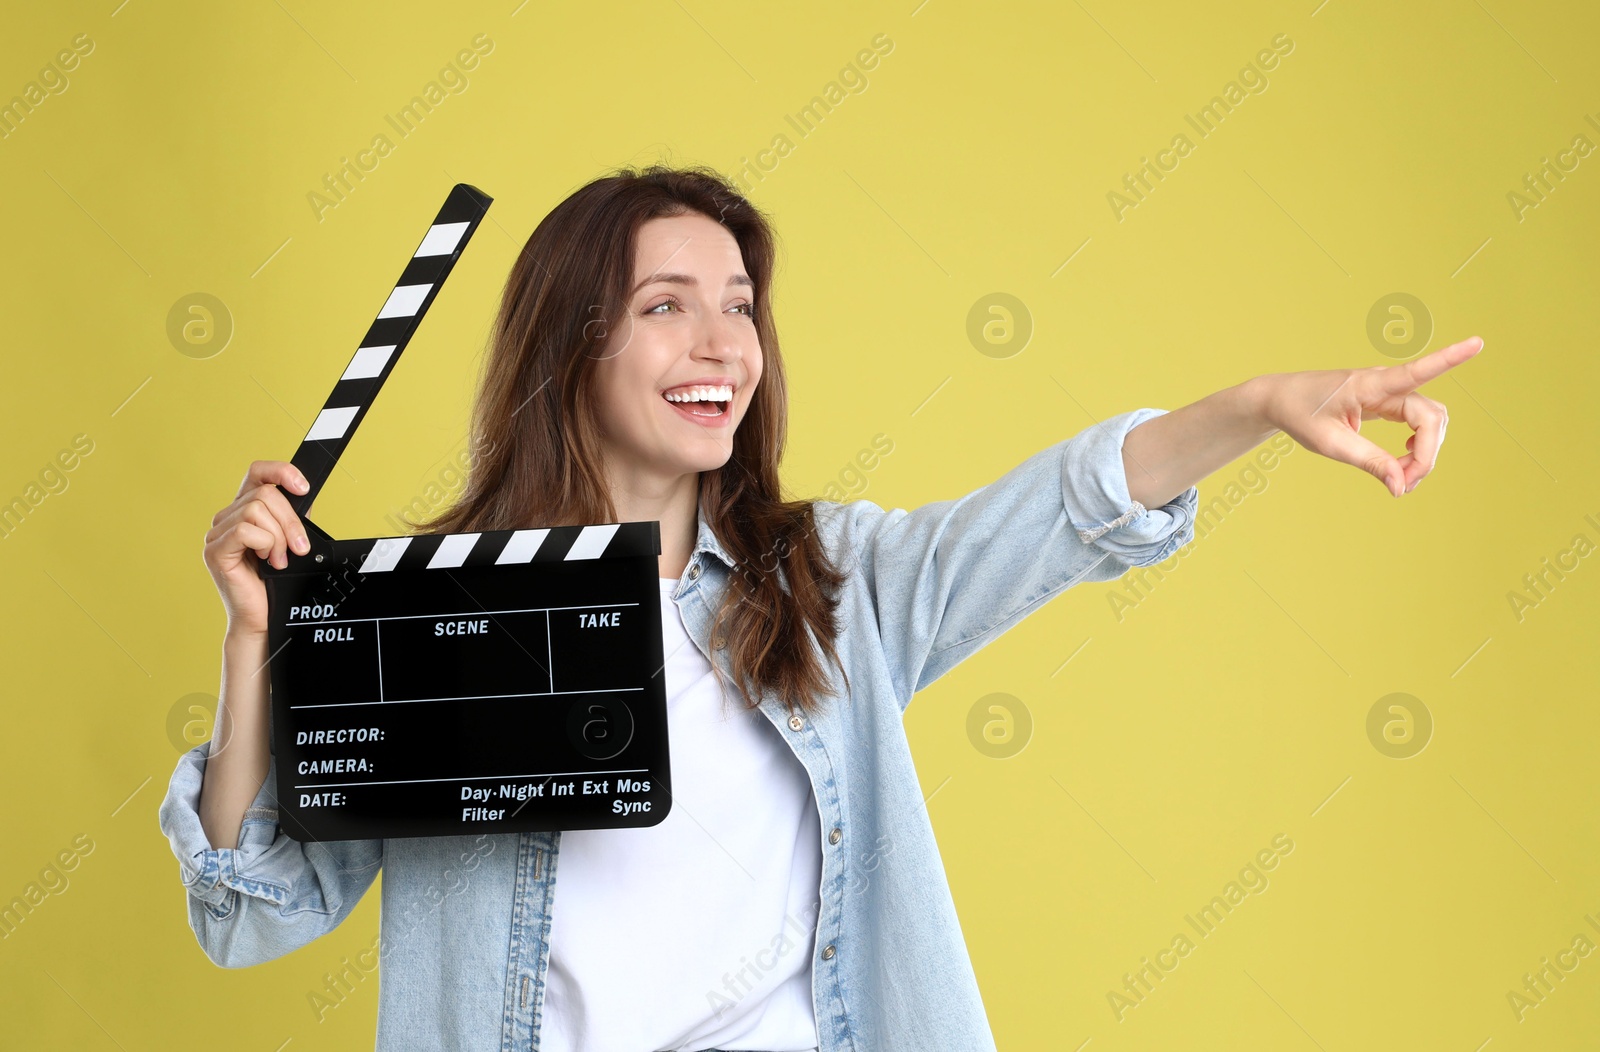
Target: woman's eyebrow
(688,279)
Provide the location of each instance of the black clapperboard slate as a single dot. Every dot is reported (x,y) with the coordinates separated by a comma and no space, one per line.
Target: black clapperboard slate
(450,684)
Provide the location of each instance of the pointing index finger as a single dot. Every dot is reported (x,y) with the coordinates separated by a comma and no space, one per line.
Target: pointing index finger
(1412,375)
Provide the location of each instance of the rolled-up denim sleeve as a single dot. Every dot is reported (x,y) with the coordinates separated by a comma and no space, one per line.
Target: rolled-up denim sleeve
(1094,489)
(269,895)
(952,576)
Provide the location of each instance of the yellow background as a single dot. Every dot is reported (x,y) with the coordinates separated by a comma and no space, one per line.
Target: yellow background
(1227,707)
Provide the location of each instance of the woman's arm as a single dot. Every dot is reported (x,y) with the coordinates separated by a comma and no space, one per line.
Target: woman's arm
(1322,410)
(949,577)
(254,893)
(946,579)
(236,766)
(1167,454)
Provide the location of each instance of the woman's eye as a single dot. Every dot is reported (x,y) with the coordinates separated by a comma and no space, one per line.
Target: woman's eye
(747,309)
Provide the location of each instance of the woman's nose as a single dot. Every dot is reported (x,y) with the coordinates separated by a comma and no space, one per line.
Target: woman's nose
(721,339)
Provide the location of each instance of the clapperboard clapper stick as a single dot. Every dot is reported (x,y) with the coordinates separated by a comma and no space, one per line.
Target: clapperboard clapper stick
(457,684)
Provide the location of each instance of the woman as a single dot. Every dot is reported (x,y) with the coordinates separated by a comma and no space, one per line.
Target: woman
(793,898)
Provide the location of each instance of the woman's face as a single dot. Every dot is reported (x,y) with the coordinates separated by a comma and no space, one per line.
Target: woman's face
(687,330)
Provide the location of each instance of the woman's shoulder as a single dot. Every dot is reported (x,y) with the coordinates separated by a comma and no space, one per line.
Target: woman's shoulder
(833,519)
(848,530)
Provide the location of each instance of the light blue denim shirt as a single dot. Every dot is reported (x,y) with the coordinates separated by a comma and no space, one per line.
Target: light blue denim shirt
(465,920)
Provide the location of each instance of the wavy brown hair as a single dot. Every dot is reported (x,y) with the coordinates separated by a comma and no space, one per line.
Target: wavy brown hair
(538,441)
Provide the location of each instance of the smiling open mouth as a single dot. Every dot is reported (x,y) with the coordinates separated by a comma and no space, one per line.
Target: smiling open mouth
(700,402)
(705,409)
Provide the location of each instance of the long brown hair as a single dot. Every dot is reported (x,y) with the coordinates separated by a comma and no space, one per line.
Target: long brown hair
(538,441)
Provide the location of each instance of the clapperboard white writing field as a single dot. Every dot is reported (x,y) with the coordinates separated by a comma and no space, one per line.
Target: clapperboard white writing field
(447,684)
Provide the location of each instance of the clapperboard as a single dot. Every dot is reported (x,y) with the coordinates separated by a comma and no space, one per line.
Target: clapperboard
(449,684)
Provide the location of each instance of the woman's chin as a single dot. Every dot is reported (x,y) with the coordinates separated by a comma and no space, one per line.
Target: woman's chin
(709,454)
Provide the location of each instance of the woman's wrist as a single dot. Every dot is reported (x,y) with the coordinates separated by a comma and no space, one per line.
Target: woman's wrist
(236,638)
(244,651)
(1165,455)
(1255,398)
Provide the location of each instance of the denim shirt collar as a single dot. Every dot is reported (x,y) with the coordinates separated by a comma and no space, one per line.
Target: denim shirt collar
(706,539)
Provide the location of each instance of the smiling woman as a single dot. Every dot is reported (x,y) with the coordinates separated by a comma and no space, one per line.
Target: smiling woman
(793,896)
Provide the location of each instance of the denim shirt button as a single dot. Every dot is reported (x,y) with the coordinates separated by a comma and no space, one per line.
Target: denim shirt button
(833,837)
(719,642)
(795,723)
(827,952)
(694,571)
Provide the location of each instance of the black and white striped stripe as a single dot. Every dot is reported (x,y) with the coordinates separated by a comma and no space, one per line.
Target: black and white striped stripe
(397,320)
(444,551)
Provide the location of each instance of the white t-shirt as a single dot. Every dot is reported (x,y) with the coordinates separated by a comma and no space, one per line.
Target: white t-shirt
(696,932)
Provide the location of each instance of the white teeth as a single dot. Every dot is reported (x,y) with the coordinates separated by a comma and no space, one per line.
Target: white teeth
(702,393)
